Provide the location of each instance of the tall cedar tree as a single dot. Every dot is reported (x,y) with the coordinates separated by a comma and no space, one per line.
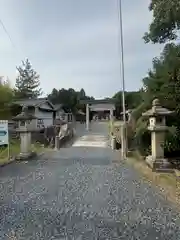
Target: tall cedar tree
(27,82)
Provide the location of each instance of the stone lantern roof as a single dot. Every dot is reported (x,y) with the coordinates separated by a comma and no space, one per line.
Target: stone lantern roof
(157,110)
(24,115)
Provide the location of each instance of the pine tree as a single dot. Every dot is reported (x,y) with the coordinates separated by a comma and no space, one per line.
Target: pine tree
(27,82)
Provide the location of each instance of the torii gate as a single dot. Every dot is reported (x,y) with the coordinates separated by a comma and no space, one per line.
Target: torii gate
(98,105)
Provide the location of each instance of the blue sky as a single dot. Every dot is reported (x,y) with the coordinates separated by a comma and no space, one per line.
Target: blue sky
(75,43)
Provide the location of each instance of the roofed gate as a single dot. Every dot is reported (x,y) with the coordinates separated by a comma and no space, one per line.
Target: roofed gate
(98,105)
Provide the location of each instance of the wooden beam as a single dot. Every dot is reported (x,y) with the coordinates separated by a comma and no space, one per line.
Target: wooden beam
(98,101)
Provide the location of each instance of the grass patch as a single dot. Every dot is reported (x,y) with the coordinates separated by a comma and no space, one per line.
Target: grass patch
(14,150)
(167,183)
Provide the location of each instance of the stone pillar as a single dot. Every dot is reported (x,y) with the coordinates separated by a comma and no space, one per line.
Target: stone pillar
(123,141)
(157,145)
(113,142)
(25,147)
(87,117)
(111,114)
(57,143)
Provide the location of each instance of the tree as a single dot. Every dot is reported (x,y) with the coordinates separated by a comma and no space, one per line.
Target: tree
(132,99)
(166,21)
(82,94)
(6,98)
(53,97)
(27,82)
(163,82)
(69,98)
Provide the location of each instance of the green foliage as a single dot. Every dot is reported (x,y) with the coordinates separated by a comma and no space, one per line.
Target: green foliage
(69,98)
(162,82)
(142,136)
(171,141)
(137,112)
(132,99)
(27,82)
(166,21)
(6,98)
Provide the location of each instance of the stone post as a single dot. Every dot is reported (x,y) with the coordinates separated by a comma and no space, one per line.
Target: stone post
(87,117)
(157,127)
(113,142)
(25,129)
(57,143)
(123,140)
(111,114)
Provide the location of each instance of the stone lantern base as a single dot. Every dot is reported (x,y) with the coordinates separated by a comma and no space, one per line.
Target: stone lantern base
(26,156)
(159,164)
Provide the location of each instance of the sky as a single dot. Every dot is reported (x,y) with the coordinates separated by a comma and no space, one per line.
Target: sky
(75,43)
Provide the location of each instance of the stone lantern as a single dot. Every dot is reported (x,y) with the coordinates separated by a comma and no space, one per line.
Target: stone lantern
(157,127)
(24,129)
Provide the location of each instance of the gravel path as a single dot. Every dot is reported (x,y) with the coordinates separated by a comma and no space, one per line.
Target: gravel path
(79,193)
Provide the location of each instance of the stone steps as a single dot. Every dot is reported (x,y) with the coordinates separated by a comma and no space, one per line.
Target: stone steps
(92,140)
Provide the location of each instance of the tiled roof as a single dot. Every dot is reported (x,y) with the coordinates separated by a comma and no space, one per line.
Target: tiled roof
(32,102)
